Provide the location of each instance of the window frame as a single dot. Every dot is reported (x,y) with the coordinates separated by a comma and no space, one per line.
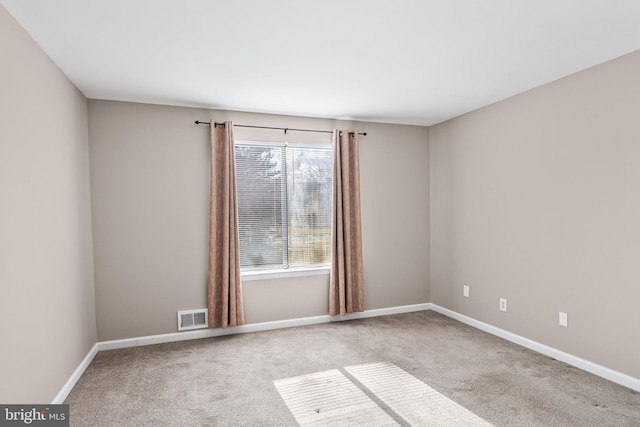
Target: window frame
(289,271)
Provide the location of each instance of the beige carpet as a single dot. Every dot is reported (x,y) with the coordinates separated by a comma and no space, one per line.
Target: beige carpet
(330,399)
(229,381)
(411,399)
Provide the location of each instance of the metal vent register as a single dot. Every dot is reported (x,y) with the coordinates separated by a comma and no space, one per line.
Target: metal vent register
(192,319)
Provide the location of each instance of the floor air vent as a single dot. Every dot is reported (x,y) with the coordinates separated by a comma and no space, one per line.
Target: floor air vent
(192,319)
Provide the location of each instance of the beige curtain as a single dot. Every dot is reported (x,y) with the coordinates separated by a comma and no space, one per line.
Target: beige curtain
(346,288)
(223,284)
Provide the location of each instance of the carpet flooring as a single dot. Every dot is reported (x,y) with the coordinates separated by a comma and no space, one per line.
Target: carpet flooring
(331,398)
(229,381)
(328,399)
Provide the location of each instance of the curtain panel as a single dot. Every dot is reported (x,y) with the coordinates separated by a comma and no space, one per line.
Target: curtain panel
(224,290)
(346,287)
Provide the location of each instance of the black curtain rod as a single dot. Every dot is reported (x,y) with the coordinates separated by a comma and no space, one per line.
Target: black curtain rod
(198,122)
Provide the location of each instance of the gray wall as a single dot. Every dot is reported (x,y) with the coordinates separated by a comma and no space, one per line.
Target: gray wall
(47,318)
(537,199)
(149,190)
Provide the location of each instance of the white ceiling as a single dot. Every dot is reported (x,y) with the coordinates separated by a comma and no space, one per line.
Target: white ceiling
(402,61)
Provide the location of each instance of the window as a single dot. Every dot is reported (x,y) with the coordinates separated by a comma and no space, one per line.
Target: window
(284,204)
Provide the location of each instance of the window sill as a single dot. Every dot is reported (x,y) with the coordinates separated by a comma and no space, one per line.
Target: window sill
(281,273)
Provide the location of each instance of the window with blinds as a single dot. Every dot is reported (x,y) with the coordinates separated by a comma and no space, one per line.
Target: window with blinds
(284,204)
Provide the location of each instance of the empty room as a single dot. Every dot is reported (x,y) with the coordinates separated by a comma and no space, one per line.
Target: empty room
(336,213)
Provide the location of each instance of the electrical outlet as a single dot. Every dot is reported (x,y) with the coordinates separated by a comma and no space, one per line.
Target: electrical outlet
(563,319)
(465,291)
(503,304)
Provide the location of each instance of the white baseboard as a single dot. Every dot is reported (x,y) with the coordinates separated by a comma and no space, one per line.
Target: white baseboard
(255,327)
(209,333)
(599,370)
(585,365)
(75,376)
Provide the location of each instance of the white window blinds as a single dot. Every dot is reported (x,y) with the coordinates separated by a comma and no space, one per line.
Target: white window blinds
(284,204)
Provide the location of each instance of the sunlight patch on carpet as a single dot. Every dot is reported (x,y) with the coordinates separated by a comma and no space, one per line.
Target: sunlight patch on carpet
(329,399)
(414,401)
